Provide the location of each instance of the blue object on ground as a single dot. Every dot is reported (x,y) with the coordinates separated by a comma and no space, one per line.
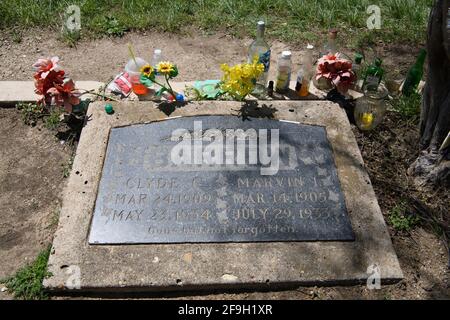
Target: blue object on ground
(179,97)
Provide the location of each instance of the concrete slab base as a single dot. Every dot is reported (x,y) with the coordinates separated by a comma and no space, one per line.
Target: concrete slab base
(77,266)
(12,92)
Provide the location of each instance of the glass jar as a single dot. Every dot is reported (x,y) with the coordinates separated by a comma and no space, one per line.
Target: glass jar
(370,109)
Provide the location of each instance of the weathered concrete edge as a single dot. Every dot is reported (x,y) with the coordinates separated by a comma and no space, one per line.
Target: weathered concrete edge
(78,241)
(214,287)
(13,92)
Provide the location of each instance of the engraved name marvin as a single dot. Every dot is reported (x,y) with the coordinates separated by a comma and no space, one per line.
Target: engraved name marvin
(212,182)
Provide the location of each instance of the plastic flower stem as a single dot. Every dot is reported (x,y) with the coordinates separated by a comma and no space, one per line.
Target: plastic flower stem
(98,94)
(159,84)
(170,87)
(130,49)
(106,86)
(162,85)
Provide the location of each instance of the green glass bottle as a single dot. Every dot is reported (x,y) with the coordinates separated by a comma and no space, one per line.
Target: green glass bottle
(374,75)
(357,63)
(358,70)
(414,74)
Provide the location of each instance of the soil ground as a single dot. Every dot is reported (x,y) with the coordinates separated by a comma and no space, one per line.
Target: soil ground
(31,158)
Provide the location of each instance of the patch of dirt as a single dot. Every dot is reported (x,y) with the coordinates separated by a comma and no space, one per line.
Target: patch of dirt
(388,151)
(198,57)
(31,177)
(31,183)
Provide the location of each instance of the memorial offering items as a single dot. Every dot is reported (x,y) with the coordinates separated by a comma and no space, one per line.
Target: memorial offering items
(144,75)
(414,75)
(374,74)
(109,108)
(157,58)
(370,109)
(168,71)
(330,47)
(121,85)
(335,71)
(147,79)
(305,73)
(133,68)
(270,89)
(52,85)
(204,90)
(239,80)
(357,69)
(261,50)
(284,72)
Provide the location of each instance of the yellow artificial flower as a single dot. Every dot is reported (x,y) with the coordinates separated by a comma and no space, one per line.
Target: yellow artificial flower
(367,119)
(239,80)
(224,67)
(147,70)
(165,67)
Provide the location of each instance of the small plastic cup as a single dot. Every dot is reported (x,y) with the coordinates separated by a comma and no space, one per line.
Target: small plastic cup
(133,70)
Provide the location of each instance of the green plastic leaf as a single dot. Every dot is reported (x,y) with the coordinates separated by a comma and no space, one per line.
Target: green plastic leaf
(173,73)
(145,81)
(160,92)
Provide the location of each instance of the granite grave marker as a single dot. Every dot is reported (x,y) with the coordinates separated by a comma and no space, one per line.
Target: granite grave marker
(144,197)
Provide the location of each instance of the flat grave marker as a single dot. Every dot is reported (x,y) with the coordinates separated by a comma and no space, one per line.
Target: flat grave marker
(144,197)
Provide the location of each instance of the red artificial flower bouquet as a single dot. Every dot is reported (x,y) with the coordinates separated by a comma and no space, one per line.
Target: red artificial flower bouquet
(336,71)
(53,87)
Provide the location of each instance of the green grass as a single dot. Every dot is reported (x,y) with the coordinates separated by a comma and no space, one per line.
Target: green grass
(54,219)
(27,282)
(288,20)
(408,107)
(52,121)
(401,219)
(31,112)
(70,38)
(66,168)
(16,36)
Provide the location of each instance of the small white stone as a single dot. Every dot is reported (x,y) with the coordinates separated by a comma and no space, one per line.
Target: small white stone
(155,260)
(3,289)
(229,278)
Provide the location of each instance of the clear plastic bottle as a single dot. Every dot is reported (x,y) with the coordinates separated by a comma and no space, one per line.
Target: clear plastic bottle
(305,73)
(157,58)
(284,72)
(261,49)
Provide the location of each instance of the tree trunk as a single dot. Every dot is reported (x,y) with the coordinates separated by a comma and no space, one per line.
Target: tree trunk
(432,167)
